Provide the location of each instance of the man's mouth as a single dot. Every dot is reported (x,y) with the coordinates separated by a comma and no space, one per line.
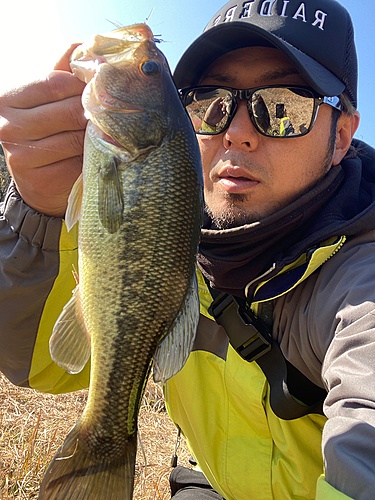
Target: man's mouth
(236,179)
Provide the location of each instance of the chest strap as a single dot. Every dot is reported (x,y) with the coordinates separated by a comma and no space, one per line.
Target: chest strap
(292,394)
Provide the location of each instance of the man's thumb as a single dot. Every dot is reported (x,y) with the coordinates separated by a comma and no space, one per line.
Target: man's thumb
(63,64)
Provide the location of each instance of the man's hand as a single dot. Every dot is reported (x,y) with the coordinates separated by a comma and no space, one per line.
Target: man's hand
(42,129)
(216,112)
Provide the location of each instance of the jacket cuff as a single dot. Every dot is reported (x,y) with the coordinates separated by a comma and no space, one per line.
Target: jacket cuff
(37,229)
(324,491)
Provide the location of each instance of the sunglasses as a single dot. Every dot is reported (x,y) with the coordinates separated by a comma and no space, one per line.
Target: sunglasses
(276,111)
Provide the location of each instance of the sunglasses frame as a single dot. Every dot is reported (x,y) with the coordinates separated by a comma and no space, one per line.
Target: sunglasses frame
(246,94)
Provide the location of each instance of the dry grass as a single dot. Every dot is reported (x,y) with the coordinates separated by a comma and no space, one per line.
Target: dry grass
(33,425)
(4,175)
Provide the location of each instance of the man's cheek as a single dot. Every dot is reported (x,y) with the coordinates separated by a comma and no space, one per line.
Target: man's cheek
(209,148)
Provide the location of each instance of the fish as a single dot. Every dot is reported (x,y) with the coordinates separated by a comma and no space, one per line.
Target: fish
(139,204)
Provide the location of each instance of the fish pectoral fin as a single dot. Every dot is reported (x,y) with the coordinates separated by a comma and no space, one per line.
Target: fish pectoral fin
(78,472)
(111,198)
(70,345)
(171,354)
(73,212)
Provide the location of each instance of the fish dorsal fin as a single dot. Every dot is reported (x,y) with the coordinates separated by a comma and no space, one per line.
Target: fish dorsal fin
(73,211)
(70,344)
(111,199)
(171,354)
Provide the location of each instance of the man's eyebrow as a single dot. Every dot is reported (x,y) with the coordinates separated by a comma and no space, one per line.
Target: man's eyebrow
(218,77)
(267,77)
(278,74)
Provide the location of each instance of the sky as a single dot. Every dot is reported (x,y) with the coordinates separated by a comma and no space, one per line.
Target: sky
(33,35)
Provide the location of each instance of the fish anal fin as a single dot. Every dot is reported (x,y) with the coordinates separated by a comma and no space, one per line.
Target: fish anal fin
(111,199)
(69,344)
(171,354)
(73,212)
(77,472)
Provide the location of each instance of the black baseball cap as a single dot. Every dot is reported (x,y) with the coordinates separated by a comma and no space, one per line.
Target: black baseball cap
(316,35)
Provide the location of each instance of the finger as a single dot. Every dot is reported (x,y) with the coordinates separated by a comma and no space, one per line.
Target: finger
(33,154)
(59,178)
(57,86)
(51,175)
(43,121)
(63,64)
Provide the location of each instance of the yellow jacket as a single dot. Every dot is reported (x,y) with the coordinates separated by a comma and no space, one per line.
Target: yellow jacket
(219,400)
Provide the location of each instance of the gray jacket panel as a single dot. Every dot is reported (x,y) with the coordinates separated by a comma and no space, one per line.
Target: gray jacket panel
(29,264)
(326,328)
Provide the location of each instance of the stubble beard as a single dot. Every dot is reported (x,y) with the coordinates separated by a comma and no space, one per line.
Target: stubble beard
(233,215)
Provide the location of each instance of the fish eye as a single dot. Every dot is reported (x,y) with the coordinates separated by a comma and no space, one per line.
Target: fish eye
(151,68)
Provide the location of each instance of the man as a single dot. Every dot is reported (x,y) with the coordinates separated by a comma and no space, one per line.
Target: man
(289,231)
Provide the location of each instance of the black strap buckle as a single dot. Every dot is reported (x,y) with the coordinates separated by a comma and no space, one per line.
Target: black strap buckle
(247,334)
(252,340)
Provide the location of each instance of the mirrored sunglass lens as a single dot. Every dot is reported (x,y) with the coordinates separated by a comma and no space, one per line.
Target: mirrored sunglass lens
(209,109)
(282,112)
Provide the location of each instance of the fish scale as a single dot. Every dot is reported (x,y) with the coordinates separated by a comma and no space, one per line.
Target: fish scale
(139,204)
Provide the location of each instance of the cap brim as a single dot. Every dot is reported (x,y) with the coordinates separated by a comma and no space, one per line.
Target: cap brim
(227,37)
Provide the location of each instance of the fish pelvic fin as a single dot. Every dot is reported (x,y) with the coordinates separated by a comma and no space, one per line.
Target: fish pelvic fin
(171,354)
(73,212)
(76,474)
(70,345)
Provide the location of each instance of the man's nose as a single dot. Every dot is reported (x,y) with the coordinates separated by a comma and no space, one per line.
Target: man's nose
(241,132)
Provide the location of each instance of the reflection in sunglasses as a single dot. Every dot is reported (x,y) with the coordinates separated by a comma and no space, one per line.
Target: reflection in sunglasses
(276,111)
(260,112)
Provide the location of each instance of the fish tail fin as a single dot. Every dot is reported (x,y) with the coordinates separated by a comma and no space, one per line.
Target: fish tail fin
(75,474)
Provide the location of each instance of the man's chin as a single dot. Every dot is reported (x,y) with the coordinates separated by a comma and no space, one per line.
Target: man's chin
(231,216)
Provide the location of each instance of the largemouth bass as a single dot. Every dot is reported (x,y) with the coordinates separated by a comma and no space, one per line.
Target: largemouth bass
(139,205)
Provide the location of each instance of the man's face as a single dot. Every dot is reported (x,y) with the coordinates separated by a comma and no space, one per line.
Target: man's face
(248,176)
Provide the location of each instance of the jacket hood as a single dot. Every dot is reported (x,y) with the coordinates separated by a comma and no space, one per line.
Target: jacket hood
(352,210)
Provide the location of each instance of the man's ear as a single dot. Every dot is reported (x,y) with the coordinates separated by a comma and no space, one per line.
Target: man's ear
(346,128)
